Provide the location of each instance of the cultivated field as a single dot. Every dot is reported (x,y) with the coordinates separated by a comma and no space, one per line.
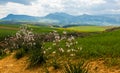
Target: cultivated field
(89,28)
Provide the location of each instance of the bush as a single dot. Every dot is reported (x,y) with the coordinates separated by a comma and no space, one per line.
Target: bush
(2,54)
(36,57)
(75,68)
(55,64)
(20,53)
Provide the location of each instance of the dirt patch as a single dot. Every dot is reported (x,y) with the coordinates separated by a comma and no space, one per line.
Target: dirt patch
(10,28)
(11,65)
(99,67)
(112,29)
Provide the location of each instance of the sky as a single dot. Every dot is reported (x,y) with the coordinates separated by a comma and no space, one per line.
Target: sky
(44,7)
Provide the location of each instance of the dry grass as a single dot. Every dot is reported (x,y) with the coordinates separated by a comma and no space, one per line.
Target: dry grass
(11,65)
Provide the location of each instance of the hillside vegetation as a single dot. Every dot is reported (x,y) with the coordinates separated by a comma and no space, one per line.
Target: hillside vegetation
(59,50)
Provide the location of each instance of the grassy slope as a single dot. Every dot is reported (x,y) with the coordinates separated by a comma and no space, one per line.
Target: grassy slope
(101,45)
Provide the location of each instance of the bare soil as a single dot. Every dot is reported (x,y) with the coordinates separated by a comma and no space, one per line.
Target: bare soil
(98,66)
(10,28)
(10,65)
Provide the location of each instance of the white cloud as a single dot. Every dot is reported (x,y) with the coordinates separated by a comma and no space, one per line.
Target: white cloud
(39,8)
(91,2)
(15,8)
(75,7)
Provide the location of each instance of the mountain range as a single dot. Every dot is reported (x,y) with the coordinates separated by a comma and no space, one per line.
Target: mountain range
(67,19)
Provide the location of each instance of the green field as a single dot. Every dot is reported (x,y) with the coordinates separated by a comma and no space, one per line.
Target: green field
(89,28)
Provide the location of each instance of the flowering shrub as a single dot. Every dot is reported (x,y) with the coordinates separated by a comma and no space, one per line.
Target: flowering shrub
(25,38)
(63,44)
(26,42)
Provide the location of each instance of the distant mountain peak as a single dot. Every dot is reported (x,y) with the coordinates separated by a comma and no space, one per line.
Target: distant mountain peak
(10,15)
(59,14)
(15,17)
(85,14)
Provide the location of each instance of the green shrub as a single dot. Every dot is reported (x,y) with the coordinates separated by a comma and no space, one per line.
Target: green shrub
(20,53)
(36,57)
(2,54)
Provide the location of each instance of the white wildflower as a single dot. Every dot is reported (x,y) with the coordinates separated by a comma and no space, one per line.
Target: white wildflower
(72,38)
(76,42)
(54,31)
(34,43)
(44,52)
(80,48)
(68,45)
(68,50)
(49,48)
(69,39)
(63,38)
(72,55)
(57,37)
(54,44)
(72,49)
(54,52)
(64,32)
(71,43)
(61,49)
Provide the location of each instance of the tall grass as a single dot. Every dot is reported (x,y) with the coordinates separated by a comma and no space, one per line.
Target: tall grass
(36,58)
(75,68)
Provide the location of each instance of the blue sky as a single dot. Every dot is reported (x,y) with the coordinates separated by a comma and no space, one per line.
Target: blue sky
(44,7)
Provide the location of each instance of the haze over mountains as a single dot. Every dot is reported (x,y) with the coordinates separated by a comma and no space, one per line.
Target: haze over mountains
(66,19)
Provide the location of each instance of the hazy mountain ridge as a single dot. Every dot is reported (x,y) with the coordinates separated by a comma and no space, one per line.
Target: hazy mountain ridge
(65,19)
(12,17)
